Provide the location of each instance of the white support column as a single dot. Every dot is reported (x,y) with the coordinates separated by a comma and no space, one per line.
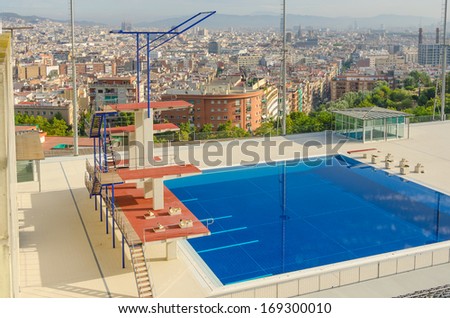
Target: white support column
(9,227)
(38,168)
(148,138)
(148,189)
(140,138)
(171,250)
(132,147)
(158,193)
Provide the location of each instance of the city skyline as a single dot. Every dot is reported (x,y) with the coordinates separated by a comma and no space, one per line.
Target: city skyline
(135,10)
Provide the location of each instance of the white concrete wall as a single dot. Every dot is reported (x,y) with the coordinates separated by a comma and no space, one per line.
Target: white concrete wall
(340,274)
(8,177)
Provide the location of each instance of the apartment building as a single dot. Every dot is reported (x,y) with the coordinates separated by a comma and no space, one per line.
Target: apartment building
(113,90)
(46,109)
(218,103)
(356,83)
(248,60)
(26,72)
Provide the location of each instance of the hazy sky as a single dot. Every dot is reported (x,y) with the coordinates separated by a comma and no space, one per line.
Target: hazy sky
(134,11)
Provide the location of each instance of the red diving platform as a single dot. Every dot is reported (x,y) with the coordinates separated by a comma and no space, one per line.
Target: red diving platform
(157,128)
(158,172)
(130,200)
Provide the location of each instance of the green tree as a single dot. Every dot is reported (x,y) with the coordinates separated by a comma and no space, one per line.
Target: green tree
(266,129)
(185,131)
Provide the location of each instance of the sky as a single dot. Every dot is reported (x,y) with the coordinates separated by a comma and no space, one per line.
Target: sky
(115,11)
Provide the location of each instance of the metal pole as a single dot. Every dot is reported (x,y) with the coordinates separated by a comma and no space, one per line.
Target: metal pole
(112,216)
(74,84)
(106,213)
(148,75)
(123,251)
(444,64)
(138,70)
(283,69)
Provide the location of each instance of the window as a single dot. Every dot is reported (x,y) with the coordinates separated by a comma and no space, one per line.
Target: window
(100,91)
(212,110)
(219,102)
(212,102)
(212,117)
(44,113)
(238,102)
(198,109)
(225,117)
(219,118)
(19,112)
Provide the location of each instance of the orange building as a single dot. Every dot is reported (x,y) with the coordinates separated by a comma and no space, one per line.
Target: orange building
(243,109)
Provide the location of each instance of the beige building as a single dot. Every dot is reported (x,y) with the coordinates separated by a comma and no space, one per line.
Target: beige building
(46,110)
(9,236)
(26,72)
(248,60)
(356,83)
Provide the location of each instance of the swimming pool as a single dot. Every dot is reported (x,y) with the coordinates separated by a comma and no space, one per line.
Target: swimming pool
(295,215)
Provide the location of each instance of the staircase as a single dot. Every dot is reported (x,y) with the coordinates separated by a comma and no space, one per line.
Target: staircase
(110,154)
(94,126)
(141,273)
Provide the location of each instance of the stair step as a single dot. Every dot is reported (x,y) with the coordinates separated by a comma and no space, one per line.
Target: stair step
(141,274)
(139,263)
(137,253)
(142,279)
(144,287)
(140,270)
(143,290)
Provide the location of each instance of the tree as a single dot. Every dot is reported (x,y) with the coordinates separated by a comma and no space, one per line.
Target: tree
(185,131)
(266,129)
(409,83)
(232,131)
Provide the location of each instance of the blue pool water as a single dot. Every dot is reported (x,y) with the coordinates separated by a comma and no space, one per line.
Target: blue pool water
(295,215)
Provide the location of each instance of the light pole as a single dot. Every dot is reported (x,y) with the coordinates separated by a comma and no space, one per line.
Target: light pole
(74,84)
(444,64)
(283,70)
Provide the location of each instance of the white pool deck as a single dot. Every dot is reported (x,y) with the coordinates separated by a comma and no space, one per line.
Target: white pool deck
(65,252)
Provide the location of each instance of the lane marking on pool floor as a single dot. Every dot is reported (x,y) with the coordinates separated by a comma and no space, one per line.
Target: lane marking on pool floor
(189,200)
(227,246)
(231,230)
(219,218)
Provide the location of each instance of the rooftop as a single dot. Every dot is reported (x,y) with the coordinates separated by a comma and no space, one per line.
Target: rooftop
(166,105)
(371,113)
(63,216)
